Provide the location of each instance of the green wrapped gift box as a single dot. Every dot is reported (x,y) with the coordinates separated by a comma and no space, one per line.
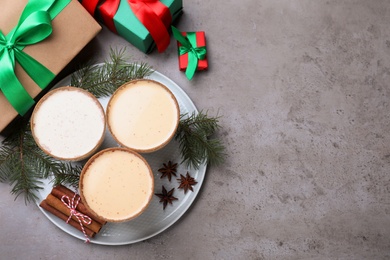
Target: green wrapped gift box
(130,28)
(120,18)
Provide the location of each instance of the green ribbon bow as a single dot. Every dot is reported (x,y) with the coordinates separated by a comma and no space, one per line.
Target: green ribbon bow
(34,26)
(188,45)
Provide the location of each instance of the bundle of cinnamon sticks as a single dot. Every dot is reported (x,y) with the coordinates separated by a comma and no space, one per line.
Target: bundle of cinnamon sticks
(54,205)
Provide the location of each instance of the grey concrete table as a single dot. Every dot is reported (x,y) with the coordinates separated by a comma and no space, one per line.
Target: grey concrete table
(303,90)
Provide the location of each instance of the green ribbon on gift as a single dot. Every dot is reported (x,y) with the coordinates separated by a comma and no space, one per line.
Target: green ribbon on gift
(34,26)
(188,45)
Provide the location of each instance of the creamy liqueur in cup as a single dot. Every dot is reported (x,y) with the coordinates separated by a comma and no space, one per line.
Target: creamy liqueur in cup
(116,184)
(68,123)
(143,115)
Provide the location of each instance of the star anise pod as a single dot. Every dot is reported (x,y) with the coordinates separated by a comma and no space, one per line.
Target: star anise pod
(186,182)
(168,170)
(166,197)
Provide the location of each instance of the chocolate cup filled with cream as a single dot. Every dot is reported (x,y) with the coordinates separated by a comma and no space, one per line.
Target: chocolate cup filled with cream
(68,123)
(116,184)
(143,115)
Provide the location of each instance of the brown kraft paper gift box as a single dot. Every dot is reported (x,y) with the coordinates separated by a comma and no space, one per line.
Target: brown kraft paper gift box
(73,29)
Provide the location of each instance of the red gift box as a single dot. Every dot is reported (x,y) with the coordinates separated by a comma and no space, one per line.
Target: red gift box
(200,42)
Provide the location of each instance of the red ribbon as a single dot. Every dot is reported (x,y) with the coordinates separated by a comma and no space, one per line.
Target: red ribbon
(90,5)
(153,14)
(108,10)
(71,204)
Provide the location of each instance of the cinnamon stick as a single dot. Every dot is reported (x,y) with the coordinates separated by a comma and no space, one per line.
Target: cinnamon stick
(60,190)
(60,206)
(60,215)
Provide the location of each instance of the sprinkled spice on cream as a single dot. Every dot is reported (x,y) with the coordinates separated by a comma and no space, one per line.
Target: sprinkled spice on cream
(68,123)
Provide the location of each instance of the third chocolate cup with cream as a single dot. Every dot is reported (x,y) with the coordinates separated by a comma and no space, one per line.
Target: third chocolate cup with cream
(143,115)
(116,184)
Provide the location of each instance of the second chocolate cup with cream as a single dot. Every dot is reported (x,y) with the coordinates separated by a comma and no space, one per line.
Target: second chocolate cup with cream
(143,115)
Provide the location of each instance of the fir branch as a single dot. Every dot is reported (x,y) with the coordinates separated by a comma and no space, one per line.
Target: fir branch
(6,155)
(68,175)
(196,143)
(23,165)
(103,80)
(17,167)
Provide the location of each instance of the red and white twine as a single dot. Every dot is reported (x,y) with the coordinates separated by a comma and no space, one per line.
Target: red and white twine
(72,204)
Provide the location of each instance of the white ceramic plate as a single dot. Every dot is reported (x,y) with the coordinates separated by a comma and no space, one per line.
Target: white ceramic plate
(154,220)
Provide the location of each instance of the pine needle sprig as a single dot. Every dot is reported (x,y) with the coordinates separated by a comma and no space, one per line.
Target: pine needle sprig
(17,166)
(68,175)
(196,142)
(6,155)
(23,165)
(102,80)
(62,172)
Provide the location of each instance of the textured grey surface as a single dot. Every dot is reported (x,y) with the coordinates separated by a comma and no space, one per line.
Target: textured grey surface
(303,90)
